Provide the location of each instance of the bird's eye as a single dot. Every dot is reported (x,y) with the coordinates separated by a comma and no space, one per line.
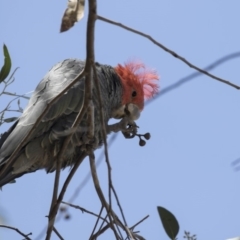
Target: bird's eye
(134,94)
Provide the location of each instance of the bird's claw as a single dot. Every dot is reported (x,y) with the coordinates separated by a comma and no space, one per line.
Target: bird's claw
(129,130)
(125,125)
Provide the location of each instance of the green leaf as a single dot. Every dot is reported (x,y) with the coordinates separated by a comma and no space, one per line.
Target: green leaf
(11,119)
(169,222)
(7,64)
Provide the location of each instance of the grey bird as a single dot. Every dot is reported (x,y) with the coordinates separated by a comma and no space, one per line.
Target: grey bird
(123,89)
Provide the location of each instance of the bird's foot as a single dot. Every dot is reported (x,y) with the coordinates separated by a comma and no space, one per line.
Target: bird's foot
(123,126)
(129,130)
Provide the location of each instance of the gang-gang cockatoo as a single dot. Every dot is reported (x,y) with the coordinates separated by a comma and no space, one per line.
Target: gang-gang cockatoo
(123,89)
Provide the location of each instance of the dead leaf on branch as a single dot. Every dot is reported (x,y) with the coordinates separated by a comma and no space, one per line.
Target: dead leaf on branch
(73,13)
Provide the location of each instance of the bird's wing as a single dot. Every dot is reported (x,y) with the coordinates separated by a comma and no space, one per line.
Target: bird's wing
(58,78)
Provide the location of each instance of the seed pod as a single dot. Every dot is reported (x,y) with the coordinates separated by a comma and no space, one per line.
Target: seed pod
(67,217)
(142,142)
(147,136)
(62,209)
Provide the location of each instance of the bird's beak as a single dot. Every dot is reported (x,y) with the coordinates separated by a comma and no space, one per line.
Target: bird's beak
(130,110)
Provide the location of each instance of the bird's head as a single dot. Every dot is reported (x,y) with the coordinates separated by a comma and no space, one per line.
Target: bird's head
(139,83)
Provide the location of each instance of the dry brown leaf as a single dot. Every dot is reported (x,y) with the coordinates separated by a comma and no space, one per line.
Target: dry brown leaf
(73,13)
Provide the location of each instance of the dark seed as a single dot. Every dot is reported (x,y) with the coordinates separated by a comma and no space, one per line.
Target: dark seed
(142,142)
(147,136)
(67,217)
(62,209)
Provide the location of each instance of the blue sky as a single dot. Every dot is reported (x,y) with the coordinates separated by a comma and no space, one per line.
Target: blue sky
(186,166)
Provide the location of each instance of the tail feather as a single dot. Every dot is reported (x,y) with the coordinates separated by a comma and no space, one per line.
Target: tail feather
(9,178)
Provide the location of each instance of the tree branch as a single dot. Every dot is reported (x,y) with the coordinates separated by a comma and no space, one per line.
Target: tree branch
(100,193)
(98,233)
(58,234)
(18,231)
(98,219)
(193,75)
(87,104)
(55,207)
(139,222)
(84,210)
(174,54)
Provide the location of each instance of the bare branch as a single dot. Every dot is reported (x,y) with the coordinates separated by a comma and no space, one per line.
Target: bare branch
(169,51)
(138,237)
(18,231)
(87,100)
(100,193)
(57,233)
(15,95)
(88,176)
(119,205)
(104,136)
(96,223)
(98,233)
(102,224)
(52,214)
(84,210)
(61,195)
(193,75)
(110,213)
(139,222)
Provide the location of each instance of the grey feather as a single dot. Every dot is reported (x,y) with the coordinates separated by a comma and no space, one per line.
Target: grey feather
(47,139)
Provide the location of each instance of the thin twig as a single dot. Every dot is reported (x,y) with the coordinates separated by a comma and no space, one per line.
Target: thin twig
(98,218)
(174,54)
(8,105)
(139,222)
(102,224)
(58,159)
(84,210)
(16,95)
(193,75)
(61,195)
(86,105)
(57,233)
(86,179)
(88,176)
(119,205)
(18,231)
(104,136)
(13,110)
(89,63)
(100,193)
(13,73)
(9,81)
(110,212)
(43,232)
(98,233)
(138,237)
(6,109)
(52,214)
